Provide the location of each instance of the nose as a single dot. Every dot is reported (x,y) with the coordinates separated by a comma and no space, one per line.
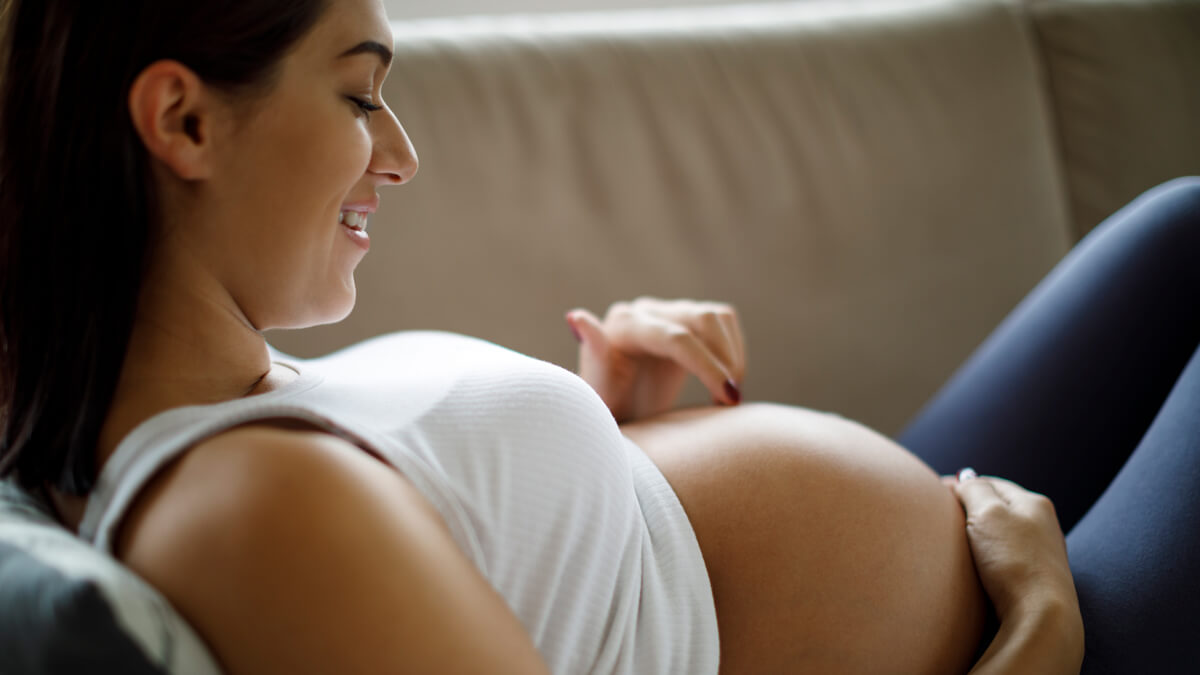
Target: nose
(393,158)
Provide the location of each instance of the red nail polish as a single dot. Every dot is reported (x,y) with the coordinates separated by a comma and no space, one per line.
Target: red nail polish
(732,391)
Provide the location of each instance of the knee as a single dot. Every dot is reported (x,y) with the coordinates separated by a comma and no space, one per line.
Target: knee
(1182,183)
(1179,196)
(1167,216)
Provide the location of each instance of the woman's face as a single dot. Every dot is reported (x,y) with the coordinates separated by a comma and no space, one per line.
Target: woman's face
(307,158)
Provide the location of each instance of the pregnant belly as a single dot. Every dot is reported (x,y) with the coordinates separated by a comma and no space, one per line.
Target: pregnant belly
(830,548)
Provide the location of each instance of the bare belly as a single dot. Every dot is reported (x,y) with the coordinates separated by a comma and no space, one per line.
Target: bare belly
(830,548)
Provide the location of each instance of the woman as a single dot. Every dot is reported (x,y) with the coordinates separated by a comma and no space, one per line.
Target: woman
(223,159)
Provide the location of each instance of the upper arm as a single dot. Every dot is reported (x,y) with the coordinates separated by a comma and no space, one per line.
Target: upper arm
(295,552)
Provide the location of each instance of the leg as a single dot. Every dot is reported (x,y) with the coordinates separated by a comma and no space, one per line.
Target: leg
(1135,556)
(1060,393)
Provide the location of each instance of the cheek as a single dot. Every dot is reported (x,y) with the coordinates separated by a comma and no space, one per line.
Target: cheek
(359,153)
(316,170)
(321,155)
(343,154)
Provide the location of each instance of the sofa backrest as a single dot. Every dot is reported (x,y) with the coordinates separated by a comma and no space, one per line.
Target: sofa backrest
(1124,82)
(873,184)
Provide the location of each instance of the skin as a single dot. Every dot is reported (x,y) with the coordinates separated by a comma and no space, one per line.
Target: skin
(1022,560)
(828,546)
(252,193)
(252,199)
(830,549)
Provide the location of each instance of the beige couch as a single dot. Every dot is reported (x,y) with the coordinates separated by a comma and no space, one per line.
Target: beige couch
(873,184)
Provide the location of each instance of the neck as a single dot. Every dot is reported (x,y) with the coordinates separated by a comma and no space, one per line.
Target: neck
(190,345)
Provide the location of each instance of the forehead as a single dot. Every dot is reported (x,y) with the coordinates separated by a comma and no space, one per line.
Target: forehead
(347,23)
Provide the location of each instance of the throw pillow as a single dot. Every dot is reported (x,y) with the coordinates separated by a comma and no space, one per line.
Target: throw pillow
(66,607)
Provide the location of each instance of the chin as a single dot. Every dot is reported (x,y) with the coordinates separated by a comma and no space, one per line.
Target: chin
(333,313)
(308,315)
(334,304)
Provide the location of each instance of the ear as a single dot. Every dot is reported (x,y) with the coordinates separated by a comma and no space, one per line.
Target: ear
(175,116)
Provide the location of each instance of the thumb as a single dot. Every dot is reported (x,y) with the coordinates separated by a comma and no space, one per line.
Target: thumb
(588,330)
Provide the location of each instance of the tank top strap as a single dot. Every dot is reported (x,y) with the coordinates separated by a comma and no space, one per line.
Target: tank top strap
(163,438)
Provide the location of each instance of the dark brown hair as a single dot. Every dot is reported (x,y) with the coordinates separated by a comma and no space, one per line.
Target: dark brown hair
(78,209)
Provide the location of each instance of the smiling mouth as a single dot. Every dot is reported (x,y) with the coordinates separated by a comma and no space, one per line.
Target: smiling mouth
(355,220)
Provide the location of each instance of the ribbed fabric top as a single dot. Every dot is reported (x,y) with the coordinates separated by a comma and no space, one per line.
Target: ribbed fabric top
(569,520)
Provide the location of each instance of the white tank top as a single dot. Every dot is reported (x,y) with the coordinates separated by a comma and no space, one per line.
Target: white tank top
(569,520)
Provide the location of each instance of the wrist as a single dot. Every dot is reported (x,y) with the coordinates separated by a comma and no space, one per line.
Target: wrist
(1037,635)
(1054,622)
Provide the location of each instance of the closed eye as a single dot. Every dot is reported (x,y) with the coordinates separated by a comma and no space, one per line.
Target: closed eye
(365,106)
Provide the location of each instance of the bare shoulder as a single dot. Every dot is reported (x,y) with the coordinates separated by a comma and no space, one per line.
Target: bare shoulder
(294,551)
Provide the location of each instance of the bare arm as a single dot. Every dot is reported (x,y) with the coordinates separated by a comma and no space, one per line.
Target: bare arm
(295,552)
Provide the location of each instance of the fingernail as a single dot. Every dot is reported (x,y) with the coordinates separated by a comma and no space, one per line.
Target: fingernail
(732,391)
(966,474)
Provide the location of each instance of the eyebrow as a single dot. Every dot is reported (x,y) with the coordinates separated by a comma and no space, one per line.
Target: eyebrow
(370,47)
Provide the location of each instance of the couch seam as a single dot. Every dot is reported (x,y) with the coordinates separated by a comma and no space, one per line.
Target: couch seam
(1051,114)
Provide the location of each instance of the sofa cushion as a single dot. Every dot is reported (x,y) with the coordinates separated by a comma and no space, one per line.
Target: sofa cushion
(67,608)
(873,185)
(1124,76)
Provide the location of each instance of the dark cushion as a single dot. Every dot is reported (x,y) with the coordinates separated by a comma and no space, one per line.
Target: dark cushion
(66,607)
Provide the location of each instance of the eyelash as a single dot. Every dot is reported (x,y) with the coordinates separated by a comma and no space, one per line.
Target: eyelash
(365,106)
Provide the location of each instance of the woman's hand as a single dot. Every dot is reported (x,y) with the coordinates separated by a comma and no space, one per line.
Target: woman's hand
(1019,549)
(1021,558)
(639,356)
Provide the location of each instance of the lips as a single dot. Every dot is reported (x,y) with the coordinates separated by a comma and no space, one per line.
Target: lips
(354,225)
(353,219)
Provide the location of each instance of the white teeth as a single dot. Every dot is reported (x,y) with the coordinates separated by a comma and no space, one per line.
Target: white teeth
(353,220)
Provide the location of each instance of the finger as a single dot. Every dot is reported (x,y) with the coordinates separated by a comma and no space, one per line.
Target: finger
(588,330)
(978,494)
(733,328)
(670,340)
(1033,506)
(1027,502)
(1008,490)
(723,326)
(1011,490)
(569,317)
(716,336)
(707,321)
